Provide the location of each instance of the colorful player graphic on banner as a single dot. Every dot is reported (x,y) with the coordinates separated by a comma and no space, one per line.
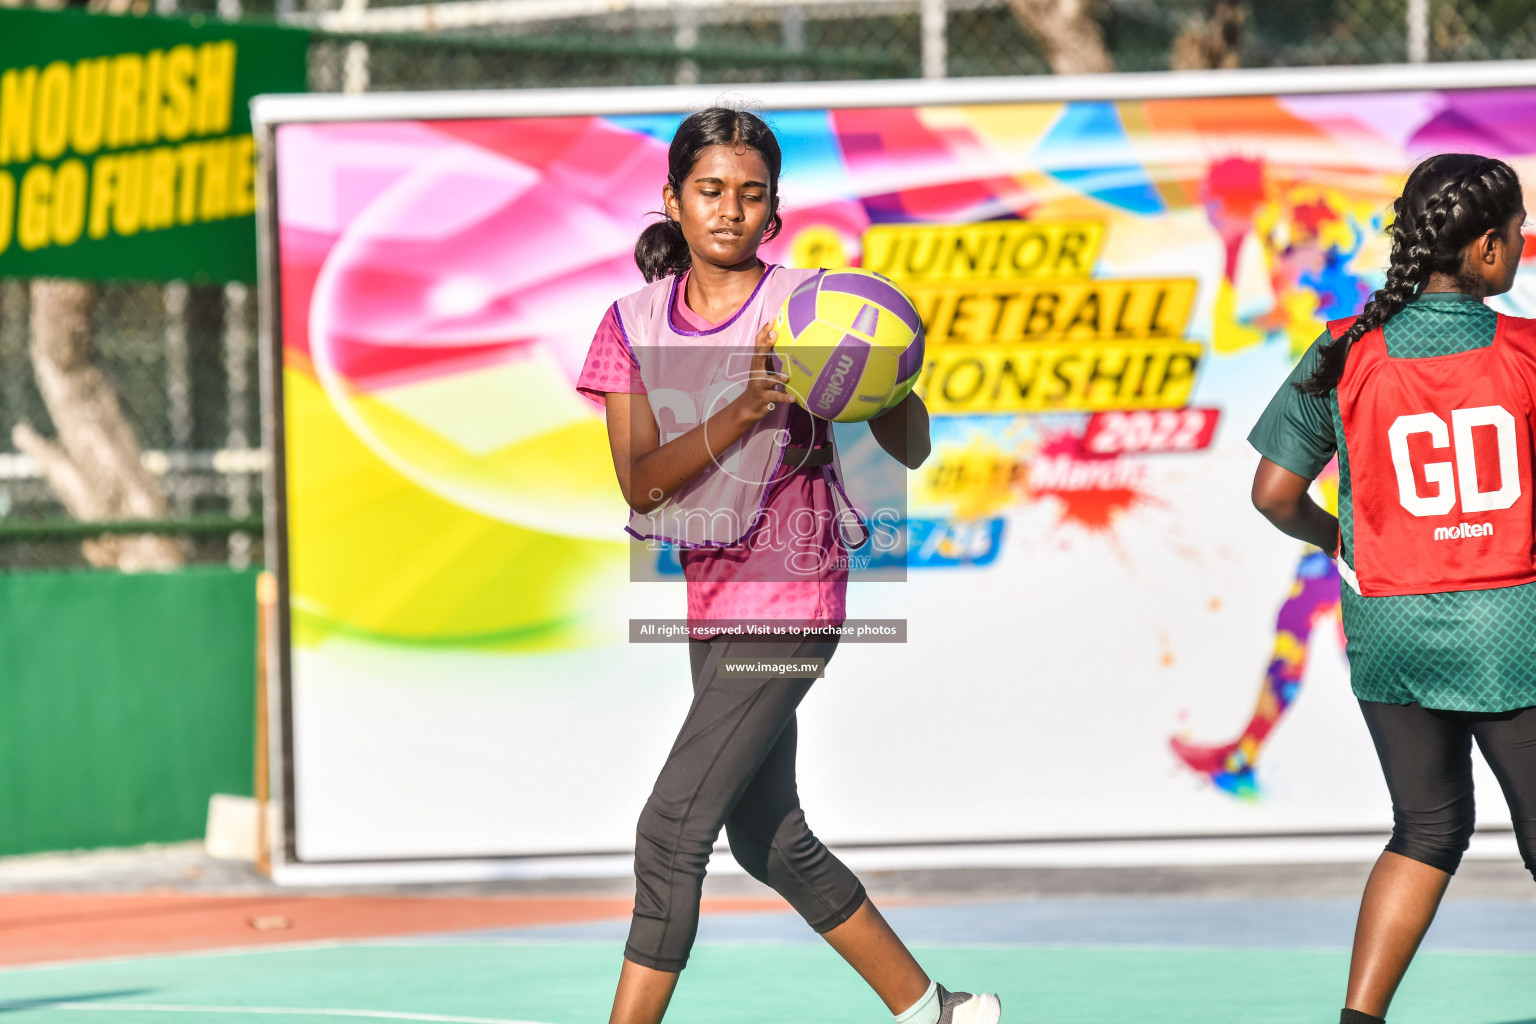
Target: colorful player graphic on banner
(1110,292)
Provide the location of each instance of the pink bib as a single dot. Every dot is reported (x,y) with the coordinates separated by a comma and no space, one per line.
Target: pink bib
(691,375)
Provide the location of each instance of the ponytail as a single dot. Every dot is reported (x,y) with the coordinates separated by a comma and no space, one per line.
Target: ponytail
(1448,202)
(662,250)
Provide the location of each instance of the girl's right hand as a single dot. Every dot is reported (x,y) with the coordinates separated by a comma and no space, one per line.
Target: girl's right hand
(765,389)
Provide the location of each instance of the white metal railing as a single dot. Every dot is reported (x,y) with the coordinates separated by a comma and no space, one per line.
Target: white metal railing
(465,14)
(224,461)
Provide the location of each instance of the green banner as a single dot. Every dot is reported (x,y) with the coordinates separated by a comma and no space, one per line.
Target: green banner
(125,143)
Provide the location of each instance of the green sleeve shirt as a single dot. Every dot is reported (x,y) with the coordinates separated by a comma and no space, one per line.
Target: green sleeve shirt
(1296,430)
(1470,650)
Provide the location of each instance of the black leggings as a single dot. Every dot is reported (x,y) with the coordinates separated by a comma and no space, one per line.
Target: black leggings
(1427,757)
(733,764)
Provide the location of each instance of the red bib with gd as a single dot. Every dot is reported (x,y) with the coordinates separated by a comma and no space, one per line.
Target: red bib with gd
(1440,464)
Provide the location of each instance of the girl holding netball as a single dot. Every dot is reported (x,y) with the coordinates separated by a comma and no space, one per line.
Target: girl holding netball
(713,455)
(1426,397)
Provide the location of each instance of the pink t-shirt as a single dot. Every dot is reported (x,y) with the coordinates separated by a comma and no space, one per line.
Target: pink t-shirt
(794,567)
(610,366)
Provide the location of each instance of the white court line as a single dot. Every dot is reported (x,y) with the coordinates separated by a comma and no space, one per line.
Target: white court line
(182,954)
(272,1011)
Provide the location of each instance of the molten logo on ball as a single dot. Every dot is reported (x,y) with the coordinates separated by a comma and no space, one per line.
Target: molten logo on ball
(826,402)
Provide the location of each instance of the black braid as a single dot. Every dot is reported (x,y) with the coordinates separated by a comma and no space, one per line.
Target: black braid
(1467,196)
(1405,274)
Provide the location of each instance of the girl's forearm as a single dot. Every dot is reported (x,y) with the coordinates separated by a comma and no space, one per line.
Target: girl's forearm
(662,471)
(1307,521)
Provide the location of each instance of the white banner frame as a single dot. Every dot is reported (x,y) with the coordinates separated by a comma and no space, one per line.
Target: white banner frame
(271,112)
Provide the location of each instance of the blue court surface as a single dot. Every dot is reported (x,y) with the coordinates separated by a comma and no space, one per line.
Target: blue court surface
(1054,961)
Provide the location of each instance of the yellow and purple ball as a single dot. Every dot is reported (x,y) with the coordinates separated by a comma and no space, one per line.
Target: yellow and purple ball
(852,344)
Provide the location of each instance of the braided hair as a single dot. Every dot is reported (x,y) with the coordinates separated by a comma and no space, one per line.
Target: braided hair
(1448,202)
(662,249)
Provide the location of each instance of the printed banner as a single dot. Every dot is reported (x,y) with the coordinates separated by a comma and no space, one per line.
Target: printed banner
(125,144)
(1102,638)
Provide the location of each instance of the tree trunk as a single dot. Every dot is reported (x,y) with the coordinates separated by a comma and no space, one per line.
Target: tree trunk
(94,466)
(1212,41)
(1071,38)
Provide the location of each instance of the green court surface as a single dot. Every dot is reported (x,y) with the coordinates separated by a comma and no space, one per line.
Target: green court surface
(571,983)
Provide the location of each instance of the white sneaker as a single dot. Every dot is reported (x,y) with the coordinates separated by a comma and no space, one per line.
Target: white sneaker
(964,1008)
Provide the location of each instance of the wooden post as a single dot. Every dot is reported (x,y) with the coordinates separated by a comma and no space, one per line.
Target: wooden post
(266,608)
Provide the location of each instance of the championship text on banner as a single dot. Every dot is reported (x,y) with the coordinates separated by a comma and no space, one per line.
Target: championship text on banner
(1016,323)
(125,144)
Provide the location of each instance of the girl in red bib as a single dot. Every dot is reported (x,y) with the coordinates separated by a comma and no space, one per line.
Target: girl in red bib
(714,456)
(1426,398)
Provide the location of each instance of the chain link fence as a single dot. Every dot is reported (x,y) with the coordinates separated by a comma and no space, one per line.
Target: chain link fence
(183,363)
(518,43)
(182,357)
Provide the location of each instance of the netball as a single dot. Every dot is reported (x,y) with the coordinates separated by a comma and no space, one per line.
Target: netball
(852,344)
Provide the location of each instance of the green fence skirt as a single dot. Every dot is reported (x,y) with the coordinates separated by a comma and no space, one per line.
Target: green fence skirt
(125,702)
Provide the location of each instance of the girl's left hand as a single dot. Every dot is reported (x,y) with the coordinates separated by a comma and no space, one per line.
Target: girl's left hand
(765,389)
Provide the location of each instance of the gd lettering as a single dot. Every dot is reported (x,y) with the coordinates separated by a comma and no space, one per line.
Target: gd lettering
(1447,478)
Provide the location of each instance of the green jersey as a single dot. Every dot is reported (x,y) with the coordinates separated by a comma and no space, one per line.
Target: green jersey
(1469,650)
